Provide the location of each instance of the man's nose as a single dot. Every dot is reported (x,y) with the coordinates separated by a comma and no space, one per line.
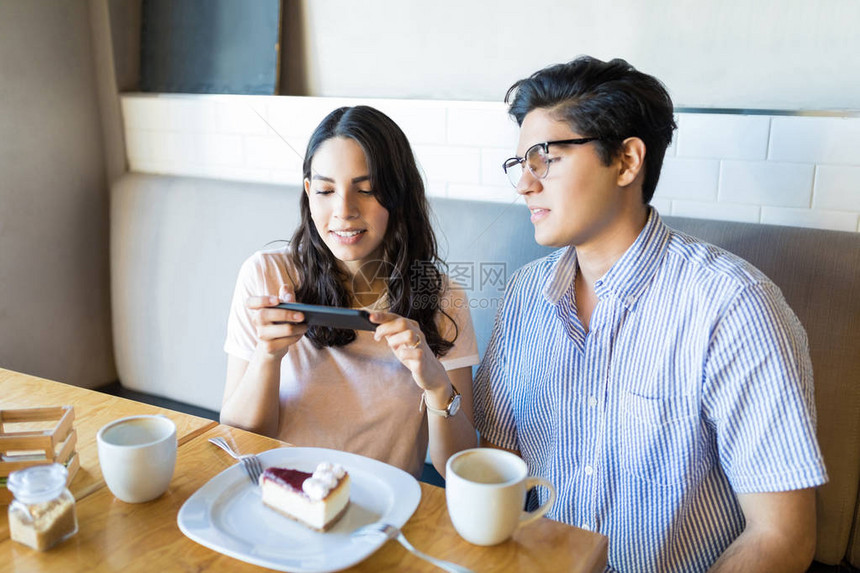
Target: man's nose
(528,183)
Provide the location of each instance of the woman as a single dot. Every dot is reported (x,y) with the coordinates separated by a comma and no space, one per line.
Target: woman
(364,241)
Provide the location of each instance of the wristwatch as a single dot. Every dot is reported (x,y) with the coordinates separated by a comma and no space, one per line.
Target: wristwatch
(451,408)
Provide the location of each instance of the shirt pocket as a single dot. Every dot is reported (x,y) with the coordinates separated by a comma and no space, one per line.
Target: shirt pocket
(659,438)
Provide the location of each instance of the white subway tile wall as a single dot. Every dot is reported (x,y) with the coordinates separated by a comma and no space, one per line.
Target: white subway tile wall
(689,179)
(838,220)
(717,211)
(766,183)
(723,136)
(837,187)
(481,124)
(830,140)
(782,170)
(452,163)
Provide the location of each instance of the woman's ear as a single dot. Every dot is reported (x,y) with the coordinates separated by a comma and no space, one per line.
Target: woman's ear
(632,158)
(307,185)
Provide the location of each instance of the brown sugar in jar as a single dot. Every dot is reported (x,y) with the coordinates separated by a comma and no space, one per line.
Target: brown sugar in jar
(43,511)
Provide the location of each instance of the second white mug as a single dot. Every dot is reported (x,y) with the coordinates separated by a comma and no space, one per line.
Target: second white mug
(137,456)
(486,489)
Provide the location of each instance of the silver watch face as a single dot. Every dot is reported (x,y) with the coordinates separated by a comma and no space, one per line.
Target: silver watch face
(454,406)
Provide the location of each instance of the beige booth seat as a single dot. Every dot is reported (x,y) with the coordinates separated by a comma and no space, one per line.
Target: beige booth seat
(177,243)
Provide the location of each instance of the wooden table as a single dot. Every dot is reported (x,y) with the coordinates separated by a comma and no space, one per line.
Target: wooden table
(92,411)
(116,536)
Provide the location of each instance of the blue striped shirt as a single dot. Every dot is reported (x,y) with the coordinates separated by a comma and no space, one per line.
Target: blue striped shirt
(692,385)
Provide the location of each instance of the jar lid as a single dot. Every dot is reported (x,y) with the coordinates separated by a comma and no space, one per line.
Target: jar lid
(38,484)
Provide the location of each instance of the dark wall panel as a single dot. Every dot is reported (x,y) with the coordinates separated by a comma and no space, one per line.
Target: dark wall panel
(210,46)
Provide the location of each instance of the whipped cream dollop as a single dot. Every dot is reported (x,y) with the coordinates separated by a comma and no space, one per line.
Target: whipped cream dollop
(323,480)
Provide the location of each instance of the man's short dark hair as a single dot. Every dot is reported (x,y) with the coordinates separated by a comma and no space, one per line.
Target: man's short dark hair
(609,100)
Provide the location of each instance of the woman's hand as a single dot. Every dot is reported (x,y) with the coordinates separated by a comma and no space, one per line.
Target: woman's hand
(448,435)
(406,340)
(277,328)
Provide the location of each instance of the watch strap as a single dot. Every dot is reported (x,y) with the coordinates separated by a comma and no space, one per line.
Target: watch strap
(446,413)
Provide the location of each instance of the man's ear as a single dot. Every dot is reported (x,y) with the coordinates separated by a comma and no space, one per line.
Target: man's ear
(632,161)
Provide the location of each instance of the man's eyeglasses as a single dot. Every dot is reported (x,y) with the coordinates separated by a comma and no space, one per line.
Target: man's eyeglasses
(536,159)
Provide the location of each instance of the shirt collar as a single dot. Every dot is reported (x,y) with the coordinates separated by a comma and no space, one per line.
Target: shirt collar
(561,276)
(628,277)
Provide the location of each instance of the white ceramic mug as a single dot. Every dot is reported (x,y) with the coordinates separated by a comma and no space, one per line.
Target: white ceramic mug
(137,456)
(486,491)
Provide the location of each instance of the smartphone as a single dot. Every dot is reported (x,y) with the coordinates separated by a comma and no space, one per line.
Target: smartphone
(331,316)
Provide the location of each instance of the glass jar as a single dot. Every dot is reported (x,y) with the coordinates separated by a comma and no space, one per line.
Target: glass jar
(43,511)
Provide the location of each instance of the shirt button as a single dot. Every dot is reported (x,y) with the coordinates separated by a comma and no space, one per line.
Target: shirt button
(585,526)
(630,300)
(588,470)
(592,401)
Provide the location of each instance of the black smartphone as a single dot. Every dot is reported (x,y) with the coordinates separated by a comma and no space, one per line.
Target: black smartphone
(331,316)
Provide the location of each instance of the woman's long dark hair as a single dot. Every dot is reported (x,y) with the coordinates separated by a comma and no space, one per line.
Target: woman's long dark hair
(409,253)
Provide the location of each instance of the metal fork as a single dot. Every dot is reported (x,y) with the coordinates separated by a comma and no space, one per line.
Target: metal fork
(391,532)
(250,463)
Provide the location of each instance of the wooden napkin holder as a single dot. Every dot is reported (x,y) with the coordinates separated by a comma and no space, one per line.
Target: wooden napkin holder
(29,444)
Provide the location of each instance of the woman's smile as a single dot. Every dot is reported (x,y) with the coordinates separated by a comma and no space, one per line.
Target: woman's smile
(348,236)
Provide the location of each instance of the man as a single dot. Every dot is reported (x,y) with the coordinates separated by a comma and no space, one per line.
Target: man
(661,384)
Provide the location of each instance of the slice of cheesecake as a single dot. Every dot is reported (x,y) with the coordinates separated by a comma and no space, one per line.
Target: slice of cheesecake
(316,500)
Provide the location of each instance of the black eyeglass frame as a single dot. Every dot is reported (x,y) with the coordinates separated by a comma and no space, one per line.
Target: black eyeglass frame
(511,161)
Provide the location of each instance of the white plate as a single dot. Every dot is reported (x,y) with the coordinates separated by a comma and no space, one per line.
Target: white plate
(227,515)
